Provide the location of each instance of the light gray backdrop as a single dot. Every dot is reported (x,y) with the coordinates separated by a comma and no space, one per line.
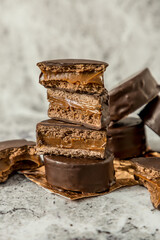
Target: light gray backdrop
(124,33)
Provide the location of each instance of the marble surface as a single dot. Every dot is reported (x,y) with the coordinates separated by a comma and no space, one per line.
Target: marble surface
(123,33)
(29,212)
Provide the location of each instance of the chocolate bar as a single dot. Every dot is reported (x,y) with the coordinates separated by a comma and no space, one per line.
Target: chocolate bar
(127,138)
(17,155)
(73,75)
(132,94)
(71,140)
(151,115)
(80,174)
(91,111)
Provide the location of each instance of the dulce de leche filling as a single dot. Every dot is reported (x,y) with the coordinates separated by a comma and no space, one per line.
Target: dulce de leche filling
(7,163)
(83,78)
(64,103)
(88,144)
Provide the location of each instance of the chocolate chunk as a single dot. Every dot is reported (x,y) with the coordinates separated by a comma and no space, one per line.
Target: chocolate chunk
(17,155)
(71,140)
(126,138)
(84,76)
(151,115)
(80,174)
(91,111)
(132,94)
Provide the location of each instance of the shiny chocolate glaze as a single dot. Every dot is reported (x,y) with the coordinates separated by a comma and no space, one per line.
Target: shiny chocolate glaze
(126,138)
(132,94)
(80,174)
(150,115)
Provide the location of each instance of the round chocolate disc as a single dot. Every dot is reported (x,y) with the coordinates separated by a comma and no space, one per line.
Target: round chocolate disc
(79,174)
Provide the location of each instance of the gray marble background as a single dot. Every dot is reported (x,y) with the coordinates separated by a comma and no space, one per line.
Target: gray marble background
(126,34)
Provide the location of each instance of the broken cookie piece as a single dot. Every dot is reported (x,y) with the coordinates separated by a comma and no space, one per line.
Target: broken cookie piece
(147,171)
(17,155)
(91,111)
(73,75)
(148,167)
(71,140)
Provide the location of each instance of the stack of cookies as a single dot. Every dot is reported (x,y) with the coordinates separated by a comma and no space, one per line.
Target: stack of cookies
(74,139)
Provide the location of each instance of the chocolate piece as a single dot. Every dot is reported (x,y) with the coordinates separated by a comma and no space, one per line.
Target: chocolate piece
(17,155)
(148,167)
(132,94)
(126,138)
(59,138)
(153,187)
(147,171)
(72,65)
(124,177)
(89,110)
(73,75)
(80,174)
(151,115)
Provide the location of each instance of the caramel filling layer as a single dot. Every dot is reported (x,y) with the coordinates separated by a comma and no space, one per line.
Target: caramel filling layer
(64,103)
(7,163)
(88,144)
(83,78)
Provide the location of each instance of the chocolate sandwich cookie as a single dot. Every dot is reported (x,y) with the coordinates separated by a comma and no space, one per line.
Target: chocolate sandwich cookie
(151,115)
(148,167)
(126,138)
(91,111)
(17,155)
(71,140)
(147,172)
(80,174)
(132,94)
(73,75)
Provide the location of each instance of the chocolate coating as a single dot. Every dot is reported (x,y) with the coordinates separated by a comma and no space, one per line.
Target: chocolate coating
(15,144)
(82,174)
(72,65)
(17,155)
(132,94)
(126,138)
(151,115)
(149,162)
(148,167)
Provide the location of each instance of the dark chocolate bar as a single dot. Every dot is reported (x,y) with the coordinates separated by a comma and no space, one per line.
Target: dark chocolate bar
(151,115)
(132,94)
(71,140)
(74,75)
(17,155)
(80,174)
(127,138)
(91,111)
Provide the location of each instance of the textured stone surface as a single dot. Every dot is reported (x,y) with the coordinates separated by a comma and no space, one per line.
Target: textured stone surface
(123,33)
(29,212)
